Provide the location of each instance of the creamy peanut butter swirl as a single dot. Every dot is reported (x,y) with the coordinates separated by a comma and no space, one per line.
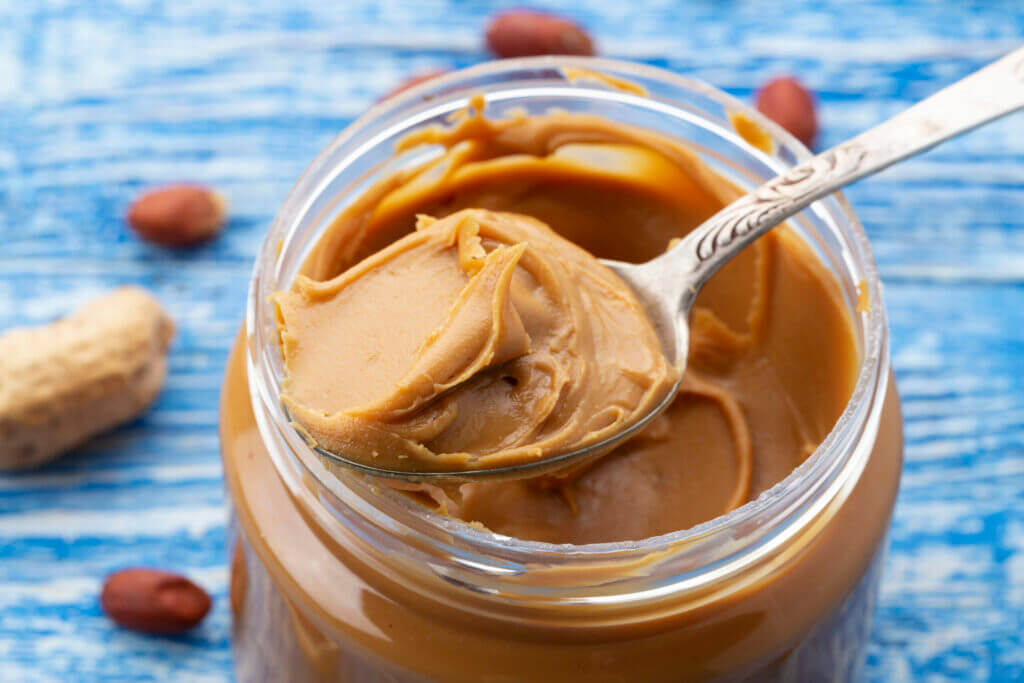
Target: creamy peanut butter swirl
(481,340)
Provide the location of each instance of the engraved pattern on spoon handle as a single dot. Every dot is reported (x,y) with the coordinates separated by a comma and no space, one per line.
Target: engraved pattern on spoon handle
(991,92)
(777,200)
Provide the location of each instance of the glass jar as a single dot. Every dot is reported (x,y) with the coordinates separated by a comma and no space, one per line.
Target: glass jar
(336,577)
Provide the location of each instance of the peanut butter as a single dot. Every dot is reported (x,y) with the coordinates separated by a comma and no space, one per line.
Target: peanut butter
(772,362)
(480,340)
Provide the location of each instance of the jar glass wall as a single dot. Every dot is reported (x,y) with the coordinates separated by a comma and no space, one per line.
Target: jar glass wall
(339,577)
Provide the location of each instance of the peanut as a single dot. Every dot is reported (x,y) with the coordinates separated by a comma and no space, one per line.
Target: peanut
(789,104)
(62,383)
(522,33)
(153,601)
(177,215)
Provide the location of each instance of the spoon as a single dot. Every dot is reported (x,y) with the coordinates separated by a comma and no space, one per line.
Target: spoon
(667,285)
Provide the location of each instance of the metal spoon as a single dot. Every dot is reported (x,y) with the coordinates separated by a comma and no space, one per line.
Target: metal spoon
(667,285)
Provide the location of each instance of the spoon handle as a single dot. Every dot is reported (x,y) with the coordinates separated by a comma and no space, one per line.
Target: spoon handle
(987,94)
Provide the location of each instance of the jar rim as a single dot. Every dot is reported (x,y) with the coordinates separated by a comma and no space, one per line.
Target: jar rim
(843,449)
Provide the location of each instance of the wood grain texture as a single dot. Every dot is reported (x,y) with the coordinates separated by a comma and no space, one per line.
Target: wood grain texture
(100,99)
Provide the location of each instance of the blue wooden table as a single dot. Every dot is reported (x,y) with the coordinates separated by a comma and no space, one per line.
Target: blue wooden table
(99,99)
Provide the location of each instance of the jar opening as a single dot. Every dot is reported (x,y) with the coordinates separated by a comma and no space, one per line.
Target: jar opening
(675,105)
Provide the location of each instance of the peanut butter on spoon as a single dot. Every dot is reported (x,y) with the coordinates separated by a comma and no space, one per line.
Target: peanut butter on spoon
(482,340)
